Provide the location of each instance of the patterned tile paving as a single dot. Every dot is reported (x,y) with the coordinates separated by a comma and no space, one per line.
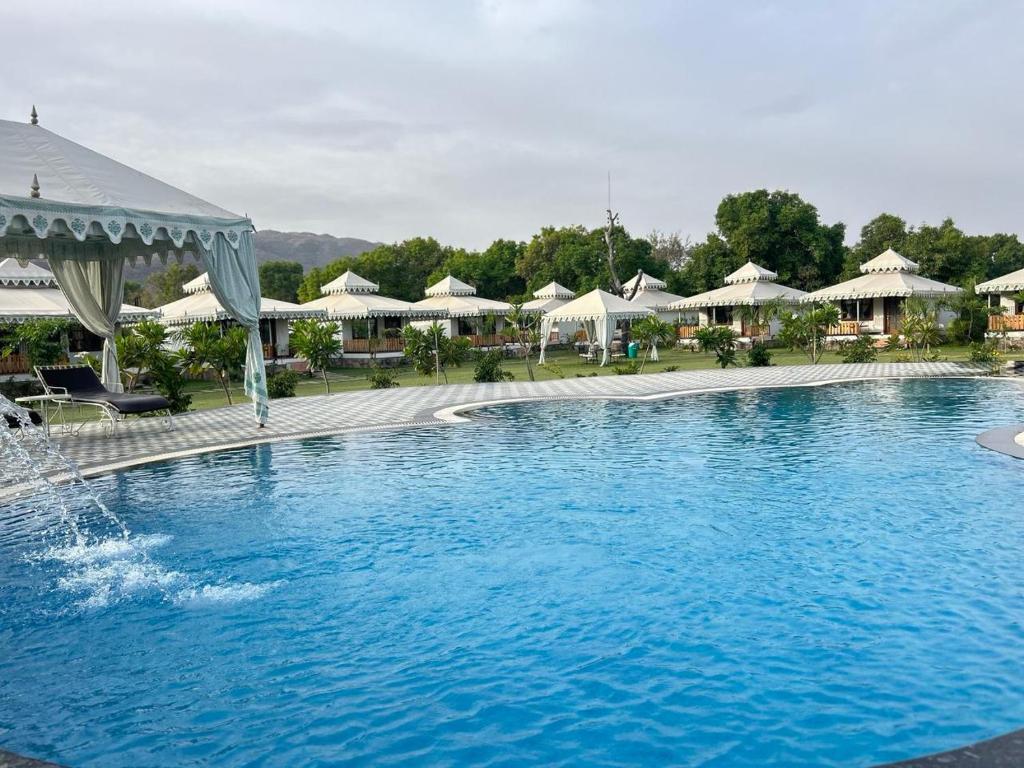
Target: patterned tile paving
(147,440)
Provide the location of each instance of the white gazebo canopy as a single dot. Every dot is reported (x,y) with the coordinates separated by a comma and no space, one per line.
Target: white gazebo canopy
(86,214)
(1009,283)
(454,298)
(650,292)
(29,292)
(750,285)
(598,312)
(551,296)
(200,304)
(351,297)
(888,274)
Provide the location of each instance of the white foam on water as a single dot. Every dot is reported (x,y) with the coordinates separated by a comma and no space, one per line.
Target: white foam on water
(223,593)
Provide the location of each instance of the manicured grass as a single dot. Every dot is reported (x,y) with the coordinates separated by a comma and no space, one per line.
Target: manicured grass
(561,364)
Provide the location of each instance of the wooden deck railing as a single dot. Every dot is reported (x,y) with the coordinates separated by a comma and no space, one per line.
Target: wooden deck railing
(487,340)
(363,346)
(1006,322)
(755,331)
(16,363)
(687,331)
(845,328)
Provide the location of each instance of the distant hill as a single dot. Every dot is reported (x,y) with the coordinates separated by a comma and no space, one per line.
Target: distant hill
(304,247)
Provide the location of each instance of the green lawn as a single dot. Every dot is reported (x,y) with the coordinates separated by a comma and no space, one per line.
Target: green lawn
(561,364)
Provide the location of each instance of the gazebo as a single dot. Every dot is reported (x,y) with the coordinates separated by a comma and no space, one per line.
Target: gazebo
(873,302)
(29,292)
(371,324)
(749,286)
(598,312)
(465,311)
(549,298)
(201,305)
(651,293)
(1004,294)
(87,214)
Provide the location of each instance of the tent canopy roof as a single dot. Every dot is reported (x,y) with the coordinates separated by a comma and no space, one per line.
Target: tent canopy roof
(882,284)
(544,305)
(462,306)
(1009,283)
(655,299)
(450,286)
(888,261)
(554,291)
(752,293)
(200,305)
(598,304)
(750,273)
(647,283)
(354,306)
(83,195)
(12,272)
(349,282)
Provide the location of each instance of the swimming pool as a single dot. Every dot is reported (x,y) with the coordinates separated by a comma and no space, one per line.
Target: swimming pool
(816,576)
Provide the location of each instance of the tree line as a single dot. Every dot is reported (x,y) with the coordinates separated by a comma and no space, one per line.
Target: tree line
(776,229)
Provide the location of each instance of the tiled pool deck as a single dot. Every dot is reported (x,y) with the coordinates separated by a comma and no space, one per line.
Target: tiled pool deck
(147,440)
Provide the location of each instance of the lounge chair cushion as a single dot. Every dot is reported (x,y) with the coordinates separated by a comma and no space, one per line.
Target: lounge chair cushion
(82,384)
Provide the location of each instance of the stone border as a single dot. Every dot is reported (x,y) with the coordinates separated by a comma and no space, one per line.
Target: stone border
(1003,440)
(1005,751)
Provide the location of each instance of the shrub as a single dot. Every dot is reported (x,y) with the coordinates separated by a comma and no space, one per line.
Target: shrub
(758,355)
(170,382)
(986,352)
(282,382)
(862,350)
(488,367)
(586,375)
(670,368)
(628,369)
(901,357)
(382,378)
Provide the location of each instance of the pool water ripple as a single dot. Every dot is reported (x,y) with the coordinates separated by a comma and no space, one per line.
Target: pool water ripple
(821,576)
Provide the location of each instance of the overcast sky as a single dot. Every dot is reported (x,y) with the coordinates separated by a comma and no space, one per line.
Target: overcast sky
(471,120)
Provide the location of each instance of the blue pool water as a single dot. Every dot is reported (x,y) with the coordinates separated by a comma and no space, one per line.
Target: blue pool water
(827,576)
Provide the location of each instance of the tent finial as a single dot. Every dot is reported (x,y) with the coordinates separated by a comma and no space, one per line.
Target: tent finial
(35,116)
(35,186)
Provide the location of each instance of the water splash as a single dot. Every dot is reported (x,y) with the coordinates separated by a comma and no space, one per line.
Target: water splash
(101,561)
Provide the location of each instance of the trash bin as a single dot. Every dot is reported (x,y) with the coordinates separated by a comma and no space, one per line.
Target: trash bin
(632,350)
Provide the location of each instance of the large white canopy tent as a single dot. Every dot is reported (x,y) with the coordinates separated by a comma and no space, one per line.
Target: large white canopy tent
(888,274)
(598,312)
(650,292)
(750,285)
(87,214)
(200,304)
(551,296)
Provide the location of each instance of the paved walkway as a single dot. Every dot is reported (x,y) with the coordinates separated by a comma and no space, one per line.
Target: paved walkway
(147,440)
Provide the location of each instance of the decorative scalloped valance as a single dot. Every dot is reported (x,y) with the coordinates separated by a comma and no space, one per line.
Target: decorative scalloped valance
(143,232)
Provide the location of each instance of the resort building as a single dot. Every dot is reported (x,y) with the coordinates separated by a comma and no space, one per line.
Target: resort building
(738,304)
(371,324)
(547,299)
(873,302)
(200,305)
(1005,294)
(30,292)
(651,293)
(465,313)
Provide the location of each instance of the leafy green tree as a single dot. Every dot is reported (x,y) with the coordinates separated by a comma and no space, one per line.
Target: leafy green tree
(784,233)
(651,331)
(281,280)
(164,287)
(140,349)
(44,340)
(807,328)
(207,346)
(920,326)
(318,344)
(706,268)
(492,272)
(720,339)
(401,269)
(489,367)
(431,351)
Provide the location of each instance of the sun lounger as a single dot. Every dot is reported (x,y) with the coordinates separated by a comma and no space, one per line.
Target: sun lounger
(81,386)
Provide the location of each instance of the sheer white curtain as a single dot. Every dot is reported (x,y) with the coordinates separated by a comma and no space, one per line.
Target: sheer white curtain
(95,291)
(236,284)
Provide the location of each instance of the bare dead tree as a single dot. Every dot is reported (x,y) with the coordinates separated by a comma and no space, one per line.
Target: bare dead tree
(609,229)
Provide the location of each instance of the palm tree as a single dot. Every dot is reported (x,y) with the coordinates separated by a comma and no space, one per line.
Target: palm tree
(209,346)
(317,343)
(651,330)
